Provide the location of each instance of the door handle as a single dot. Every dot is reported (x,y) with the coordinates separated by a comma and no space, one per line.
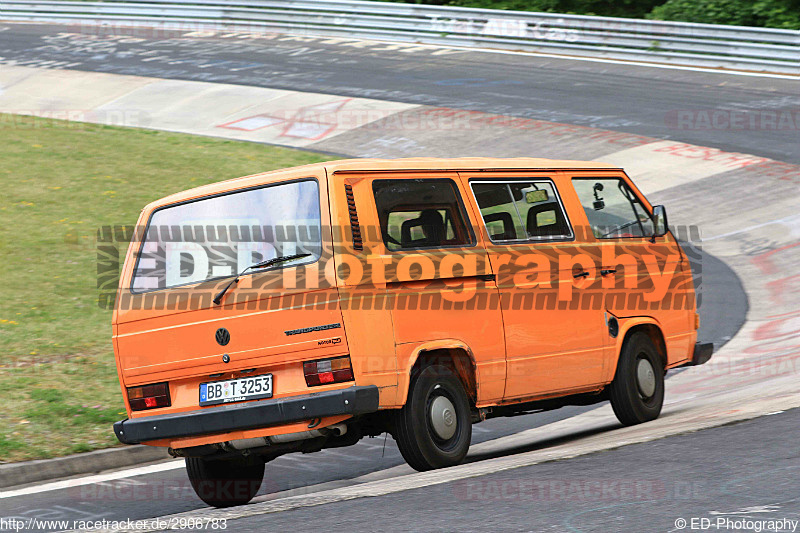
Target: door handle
(580,274)
(607,271)
(484,277)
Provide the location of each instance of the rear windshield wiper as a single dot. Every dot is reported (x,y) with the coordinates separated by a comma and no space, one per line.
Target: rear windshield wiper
(262,264)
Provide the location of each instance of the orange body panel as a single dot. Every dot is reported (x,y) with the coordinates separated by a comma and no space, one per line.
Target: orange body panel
(386,308)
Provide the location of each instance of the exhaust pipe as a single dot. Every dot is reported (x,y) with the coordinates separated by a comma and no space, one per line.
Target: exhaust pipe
(336,430)
(294,437)
(246,444)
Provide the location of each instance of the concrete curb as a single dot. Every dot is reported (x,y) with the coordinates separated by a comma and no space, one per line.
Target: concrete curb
(14,474)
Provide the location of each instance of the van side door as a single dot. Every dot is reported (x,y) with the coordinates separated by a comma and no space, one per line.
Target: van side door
(554,341)
(438,277)
(419,253)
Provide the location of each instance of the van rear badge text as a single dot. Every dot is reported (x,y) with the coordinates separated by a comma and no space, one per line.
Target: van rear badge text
(223,336)
(335,340)
(312,329)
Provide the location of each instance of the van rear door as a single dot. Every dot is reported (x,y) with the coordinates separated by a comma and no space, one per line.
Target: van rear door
(167,326)
(554,341)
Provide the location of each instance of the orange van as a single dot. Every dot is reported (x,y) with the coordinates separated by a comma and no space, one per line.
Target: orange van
(307,308)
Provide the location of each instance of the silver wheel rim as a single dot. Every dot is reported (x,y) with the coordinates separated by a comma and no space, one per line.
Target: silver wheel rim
(443,417)
(645,378)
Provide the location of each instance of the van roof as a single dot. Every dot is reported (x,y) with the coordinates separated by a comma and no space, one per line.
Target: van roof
(344,166)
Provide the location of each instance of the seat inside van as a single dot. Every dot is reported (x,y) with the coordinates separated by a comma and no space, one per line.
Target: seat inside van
(431,222)
(546,220)
(507,221)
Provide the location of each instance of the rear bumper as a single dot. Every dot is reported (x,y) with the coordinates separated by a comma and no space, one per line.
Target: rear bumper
(258,414)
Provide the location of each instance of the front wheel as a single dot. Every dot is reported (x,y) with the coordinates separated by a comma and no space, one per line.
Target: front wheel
(225,482)
(434,428)
(637,392)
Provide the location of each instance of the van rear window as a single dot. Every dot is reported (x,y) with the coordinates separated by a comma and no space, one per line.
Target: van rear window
(421,213)
(219,236)
(521,210)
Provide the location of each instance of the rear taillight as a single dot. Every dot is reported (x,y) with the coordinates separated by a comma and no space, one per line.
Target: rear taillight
(328,371)
(149,397)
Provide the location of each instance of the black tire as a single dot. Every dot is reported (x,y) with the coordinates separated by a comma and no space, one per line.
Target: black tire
(225,482)
(418,441)
(632,401)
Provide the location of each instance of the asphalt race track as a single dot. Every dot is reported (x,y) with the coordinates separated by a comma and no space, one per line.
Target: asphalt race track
(619,97)
(690,475)
(170,492)
(706,475)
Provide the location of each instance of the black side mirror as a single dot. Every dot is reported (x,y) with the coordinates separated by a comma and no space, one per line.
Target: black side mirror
(660,224)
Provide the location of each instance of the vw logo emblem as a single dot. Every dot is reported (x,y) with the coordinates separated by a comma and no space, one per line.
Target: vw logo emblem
(223,336)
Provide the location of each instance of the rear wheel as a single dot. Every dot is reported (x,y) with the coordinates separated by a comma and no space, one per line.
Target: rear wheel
(434,428)
(225,482)
(637,392)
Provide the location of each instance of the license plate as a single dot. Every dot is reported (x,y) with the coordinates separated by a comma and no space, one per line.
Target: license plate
(236,390)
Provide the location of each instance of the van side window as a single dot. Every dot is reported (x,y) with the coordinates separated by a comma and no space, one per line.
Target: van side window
(612,208)
(521,210)
(421,213)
